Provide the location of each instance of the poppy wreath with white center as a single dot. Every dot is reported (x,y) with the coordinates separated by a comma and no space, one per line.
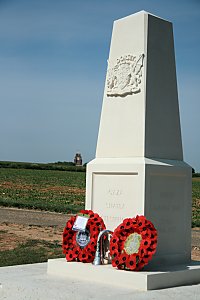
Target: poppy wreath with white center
(71,249)
(133,244)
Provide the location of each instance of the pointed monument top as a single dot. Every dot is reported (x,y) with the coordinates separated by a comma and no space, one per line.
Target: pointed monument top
(142,12)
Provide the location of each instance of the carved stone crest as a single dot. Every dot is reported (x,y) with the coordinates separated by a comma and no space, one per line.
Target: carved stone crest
(124,78)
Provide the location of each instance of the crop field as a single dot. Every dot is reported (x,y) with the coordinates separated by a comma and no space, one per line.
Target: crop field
(58,191)
(196,202)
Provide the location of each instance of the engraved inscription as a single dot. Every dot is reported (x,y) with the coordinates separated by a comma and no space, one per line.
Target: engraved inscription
(168,213)
(112,195)
(160,207)
(124,78)
(113,192)
(113,219)
(115,205)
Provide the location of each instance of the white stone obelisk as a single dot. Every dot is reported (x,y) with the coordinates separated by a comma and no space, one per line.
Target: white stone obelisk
(139,166)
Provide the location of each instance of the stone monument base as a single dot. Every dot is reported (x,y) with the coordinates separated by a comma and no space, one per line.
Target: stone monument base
(120,188)
(143,280)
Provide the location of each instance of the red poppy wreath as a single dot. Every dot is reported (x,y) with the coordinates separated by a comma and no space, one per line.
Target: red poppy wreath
(81,246)
(133,244)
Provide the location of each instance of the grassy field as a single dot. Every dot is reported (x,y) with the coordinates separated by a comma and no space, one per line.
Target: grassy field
(58,191)
(42,189)
(30,252)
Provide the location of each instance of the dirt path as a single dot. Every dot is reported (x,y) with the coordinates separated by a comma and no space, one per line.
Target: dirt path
(32,217)
(18,225)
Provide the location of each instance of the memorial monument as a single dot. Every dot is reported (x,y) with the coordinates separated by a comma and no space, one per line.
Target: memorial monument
(139,167)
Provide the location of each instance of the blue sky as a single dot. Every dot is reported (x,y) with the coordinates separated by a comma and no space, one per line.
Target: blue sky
(53,60)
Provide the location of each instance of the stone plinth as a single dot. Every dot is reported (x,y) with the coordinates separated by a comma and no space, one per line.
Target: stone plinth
(107,275)
(159,190)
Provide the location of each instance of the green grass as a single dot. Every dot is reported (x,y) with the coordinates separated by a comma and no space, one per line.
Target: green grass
(33,251)
(42,189)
